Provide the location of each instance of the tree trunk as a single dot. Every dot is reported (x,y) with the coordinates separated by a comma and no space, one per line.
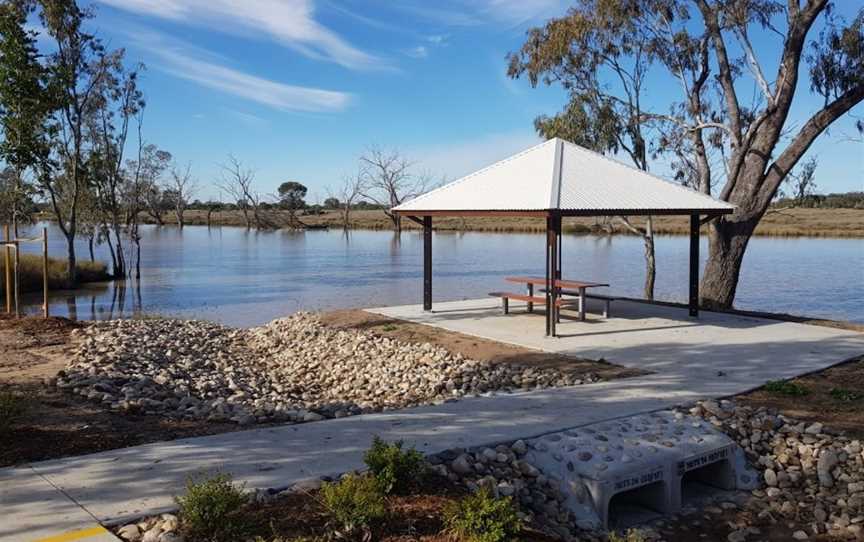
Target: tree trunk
(346,216)
(72,269)
(209,212)
(650,261)
(90,246)
(726,247)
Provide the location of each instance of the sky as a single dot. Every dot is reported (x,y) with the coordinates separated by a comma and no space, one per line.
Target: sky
(299,89)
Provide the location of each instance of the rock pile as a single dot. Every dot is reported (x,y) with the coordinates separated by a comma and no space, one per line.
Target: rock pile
(293,369)
(163,528)
(812,477)
(506,471)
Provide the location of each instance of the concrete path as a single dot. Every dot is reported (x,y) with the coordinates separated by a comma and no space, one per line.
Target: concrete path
(51,497)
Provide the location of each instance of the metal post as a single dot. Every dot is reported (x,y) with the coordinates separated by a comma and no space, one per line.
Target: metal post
(694,264)
(553,243)
(6,250)
(548,282)
(427,263)
(45,271)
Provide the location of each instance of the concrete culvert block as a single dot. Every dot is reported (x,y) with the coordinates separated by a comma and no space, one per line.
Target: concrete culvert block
(632,469)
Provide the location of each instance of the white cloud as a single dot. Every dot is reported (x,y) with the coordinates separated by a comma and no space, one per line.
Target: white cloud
(417,52)
(516,12)
(197,65)
(290,22)
(477,12)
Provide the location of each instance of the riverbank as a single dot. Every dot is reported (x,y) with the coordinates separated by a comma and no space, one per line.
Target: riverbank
(30,273)
(795,222)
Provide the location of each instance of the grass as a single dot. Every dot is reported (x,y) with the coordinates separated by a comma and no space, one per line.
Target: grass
(30,273)
(786,387)
(781,223)
(632,535)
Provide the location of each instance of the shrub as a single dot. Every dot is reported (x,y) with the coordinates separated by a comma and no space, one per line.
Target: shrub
(354,503)
(785,387)
(632,535)
(394,468)
(480,517)
(12,406)
(847,396)
(211,509)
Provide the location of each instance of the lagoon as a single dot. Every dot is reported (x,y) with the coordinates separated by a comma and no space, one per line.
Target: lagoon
(246,278)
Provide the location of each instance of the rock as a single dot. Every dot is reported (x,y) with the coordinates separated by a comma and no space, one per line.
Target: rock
(519,447)
(814,429)
(826,463)
(800,535)
(130,532)
(737,536)
(770,477)
(462,465)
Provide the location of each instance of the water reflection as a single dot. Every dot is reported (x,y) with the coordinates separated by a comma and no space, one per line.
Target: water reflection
(245,277)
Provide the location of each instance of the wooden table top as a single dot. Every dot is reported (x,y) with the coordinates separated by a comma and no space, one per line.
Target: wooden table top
(561,283)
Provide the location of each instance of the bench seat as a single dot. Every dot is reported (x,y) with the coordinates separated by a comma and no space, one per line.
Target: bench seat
(606,299)
(530,299)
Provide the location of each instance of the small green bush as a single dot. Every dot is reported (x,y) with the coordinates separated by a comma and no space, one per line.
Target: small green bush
(785,387)
(212,509)
(632,535)
(12,406)
(354,503)
(847,396)
(389,327)
(480,517)
(396,470)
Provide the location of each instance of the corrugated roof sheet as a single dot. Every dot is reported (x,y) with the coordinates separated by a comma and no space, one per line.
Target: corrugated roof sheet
(558,175)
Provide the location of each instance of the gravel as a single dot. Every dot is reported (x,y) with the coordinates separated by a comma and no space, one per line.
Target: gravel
(294,369)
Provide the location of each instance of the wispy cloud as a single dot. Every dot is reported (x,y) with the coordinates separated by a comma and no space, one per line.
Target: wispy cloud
(248,119)
(290,22)
(197,65)
(417,52)
(478,12)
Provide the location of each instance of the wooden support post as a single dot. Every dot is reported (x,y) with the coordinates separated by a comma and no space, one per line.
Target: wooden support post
(694,264)
(45,271)
(548,277)
(8,277)
(427,263)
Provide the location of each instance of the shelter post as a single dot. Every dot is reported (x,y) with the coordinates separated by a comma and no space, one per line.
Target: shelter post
(694,264)
(427,263)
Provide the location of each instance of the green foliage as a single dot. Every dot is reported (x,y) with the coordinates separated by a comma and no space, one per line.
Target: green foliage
(388,327)
(632,535)
(480,517)
(785,387)
(354,503)
(396,470)
(291,195)
(847,396)
(12,406)
(212,509)
(30,273)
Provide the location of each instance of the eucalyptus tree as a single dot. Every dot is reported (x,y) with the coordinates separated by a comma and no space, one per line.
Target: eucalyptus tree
(594,44)
(77,68)
(25,104)
(716,136)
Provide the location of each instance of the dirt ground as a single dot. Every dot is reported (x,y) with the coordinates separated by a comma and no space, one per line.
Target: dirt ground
(834,397)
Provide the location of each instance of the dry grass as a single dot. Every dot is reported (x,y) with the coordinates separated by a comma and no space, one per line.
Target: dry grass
(787,222)
(30,273)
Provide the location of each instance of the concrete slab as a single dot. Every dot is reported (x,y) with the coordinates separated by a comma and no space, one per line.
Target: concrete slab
(32,510)
(656,338)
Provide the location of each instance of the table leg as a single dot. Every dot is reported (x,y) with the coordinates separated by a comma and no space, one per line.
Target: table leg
(530,294)
(582,304)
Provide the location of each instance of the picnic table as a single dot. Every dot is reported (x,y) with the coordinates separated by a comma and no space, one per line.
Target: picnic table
(575,288)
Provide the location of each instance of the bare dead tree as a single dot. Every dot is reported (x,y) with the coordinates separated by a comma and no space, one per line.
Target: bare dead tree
(386,179)
(349,192)
(184,187)
(237,182)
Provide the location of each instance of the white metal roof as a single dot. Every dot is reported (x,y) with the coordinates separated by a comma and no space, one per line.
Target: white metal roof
(558,175)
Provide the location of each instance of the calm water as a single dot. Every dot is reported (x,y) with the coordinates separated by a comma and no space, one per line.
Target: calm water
(244,277)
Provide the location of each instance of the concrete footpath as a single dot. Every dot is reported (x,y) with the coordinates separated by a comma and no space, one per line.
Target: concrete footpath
(48,500)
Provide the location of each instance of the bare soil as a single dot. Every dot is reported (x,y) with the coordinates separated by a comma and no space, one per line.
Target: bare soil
(834,397)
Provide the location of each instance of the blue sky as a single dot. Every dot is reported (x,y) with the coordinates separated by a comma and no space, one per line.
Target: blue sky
(297,89)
